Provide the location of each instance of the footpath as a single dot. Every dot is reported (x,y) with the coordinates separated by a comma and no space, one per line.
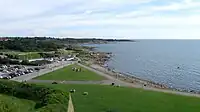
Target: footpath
(70,105)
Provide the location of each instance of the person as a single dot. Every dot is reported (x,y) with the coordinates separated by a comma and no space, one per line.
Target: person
(80,70)
(113,84)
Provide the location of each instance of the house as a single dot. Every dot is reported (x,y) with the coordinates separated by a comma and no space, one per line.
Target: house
(40,59)
(70,59)
(3,39)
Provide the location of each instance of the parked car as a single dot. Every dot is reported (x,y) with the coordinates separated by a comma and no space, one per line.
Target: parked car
(5,77)
(26,71)
(18,67)
(17,74)
(37,69)
(29,69)
(12,75)
(20,72)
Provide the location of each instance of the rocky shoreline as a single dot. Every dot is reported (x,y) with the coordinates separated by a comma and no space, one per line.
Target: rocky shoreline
(128,78)
(100,63)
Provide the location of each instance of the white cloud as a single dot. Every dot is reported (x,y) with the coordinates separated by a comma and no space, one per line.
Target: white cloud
(32,7)
(21,8)
(100,18)
(119,2)
(185,4)
(133,14)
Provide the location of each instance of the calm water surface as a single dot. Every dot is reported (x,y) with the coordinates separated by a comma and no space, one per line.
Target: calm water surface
(158,61)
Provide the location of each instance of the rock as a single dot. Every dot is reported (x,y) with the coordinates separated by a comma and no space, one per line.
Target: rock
(54,83)
(85,93)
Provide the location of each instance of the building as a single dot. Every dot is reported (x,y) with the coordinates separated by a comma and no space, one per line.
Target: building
(3,39)
(40,59)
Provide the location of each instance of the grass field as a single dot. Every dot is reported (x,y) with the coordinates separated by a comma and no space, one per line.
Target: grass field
(31,55)
(23,97)
(113,99)
(13,104)
(24,55)
(68,74)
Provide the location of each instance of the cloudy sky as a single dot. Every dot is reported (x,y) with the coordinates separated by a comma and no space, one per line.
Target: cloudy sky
(101,18)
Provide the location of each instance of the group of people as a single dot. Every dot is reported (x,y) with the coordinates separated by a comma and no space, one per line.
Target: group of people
(76,69)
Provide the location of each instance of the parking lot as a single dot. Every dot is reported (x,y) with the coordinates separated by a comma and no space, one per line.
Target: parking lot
(21,72)
(11,71)
(48,68)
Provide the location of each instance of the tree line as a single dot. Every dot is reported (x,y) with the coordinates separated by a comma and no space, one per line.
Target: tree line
(25,44)
(30,44)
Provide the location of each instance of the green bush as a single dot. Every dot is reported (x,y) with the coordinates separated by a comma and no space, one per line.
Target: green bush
(60,98)
(44,97)
(53,108)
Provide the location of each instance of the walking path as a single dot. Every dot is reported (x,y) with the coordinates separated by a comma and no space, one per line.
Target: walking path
(103,82)
(70,105)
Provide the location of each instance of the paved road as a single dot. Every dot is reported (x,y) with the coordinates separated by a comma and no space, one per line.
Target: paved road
(103,82)
(49,68)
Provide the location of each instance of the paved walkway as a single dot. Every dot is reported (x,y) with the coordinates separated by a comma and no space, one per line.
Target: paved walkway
(103,82)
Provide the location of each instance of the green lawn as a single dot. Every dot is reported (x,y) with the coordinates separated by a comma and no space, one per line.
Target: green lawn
(68,74)
(113,99)
(23,55)
(31,55)
(13,104)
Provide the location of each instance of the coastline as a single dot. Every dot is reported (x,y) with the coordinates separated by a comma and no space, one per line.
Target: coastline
(141,83)
(99,63)
(120,83)
(128,78)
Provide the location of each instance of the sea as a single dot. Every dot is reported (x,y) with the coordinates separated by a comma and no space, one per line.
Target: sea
(175,63)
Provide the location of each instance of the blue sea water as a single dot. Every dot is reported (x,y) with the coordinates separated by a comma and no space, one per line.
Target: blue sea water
(175,63)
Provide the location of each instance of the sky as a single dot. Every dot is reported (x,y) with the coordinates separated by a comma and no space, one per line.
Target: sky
(131,19)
